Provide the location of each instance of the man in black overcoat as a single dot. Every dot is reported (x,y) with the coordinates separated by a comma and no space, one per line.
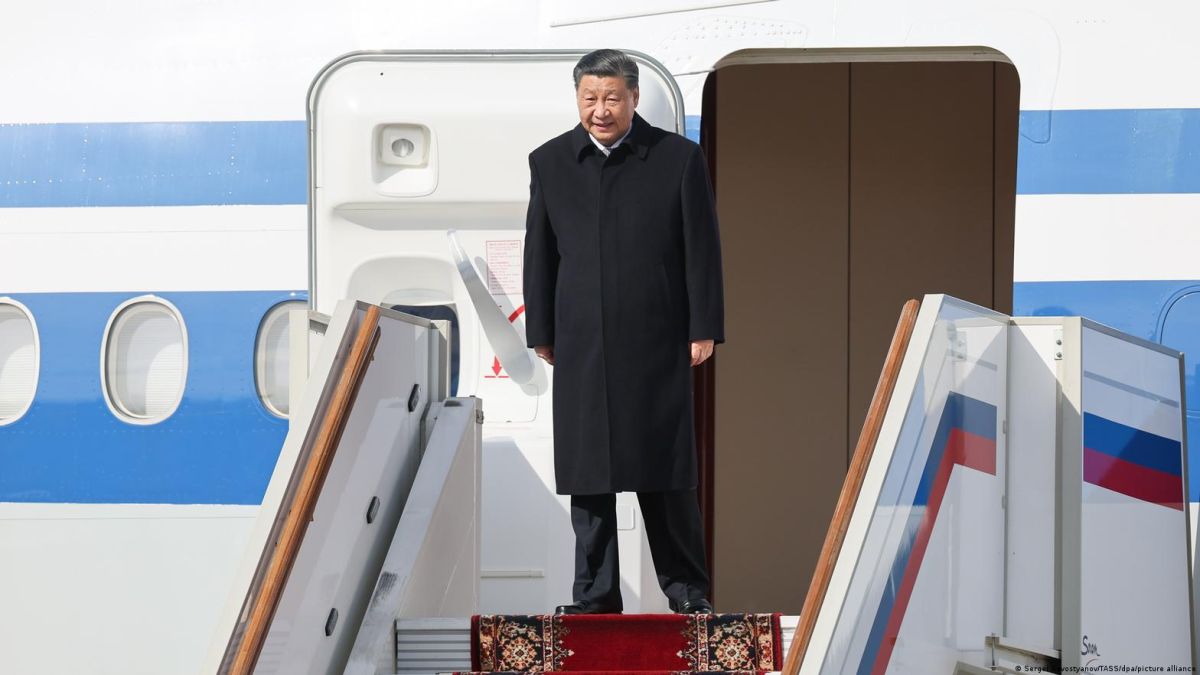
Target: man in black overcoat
(623,297)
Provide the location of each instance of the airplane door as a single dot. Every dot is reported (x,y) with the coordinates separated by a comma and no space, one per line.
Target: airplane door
(419,183)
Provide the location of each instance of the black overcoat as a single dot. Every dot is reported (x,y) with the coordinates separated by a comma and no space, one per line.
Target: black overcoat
(622,269)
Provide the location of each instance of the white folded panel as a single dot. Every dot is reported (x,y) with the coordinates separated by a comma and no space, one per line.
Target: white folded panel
(1024,505)
(375,458)
(919,578)
(1126,589)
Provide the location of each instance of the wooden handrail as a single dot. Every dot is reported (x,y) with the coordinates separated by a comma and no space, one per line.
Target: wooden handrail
(850,488)
(265,599)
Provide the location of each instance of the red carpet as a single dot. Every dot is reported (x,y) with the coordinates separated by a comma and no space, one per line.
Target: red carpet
(645,643)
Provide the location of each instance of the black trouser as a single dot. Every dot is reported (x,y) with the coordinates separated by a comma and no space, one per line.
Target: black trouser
(676,536)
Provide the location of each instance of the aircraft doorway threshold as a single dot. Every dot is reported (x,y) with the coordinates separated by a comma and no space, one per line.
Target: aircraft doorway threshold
(418,201)
(379,223)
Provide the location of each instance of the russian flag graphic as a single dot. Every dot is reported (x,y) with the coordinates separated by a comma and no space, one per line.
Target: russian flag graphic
(1132,462)
(965,437)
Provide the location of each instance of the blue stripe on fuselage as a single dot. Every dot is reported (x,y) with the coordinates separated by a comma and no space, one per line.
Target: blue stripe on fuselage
(221,444)
(219,163)
(219,447)
(153,164)
(1148,151)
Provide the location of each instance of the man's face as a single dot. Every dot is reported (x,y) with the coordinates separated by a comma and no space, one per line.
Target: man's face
(606,107)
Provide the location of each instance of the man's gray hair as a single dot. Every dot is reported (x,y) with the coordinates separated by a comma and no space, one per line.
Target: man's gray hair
(607,63)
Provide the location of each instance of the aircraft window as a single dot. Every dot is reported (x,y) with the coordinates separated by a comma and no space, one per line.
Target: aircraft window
(18,360)
(271,373)
(145,360)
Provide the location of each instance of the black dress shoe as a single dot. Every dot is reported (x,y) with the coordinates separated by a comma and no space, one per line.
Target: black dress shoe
(697,606)
(579,607)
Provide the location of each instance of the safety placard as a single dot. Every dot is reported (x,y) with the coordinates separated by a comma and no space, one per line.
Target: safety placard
(504,266)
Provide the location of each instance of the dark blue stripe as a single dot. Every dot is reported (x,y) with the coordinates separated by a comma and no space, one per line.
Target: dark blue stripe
(215,163)
(153,164)
(962,412)
(219,447)
(1110,152)
(973,416)
(1133,307)
(1132,445)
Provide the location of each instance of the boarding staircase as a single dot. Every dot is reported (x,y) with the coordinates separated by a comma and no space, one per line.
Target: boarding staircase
(1004,467)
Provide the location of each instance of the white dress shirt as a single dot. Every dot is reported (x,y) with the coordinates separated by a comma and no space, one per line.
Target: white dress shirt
(607,149)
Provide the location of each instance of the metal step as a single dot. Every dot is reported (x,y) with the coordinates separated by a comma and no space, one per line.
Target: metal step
(432,645)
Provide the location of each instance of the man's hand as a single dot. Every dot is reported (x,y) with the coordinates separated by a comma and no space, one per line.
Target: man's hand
(701,350)
(545,353)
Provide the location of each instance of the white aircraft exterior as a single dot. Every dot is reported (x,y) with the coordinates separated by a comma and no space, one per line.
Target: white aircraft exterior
(160,149)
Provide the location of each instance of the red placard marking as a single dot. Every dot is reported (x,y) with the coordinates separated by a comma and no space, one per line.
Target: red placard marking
(496,367)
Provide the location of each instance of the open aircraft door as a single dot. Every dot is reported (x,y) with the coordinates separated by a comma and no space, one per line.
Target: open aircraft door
(419,184)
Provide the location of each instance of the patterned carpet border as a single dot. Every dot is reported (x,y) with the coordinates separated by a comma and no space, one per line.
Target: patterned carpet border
(659,643)
(620,672)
